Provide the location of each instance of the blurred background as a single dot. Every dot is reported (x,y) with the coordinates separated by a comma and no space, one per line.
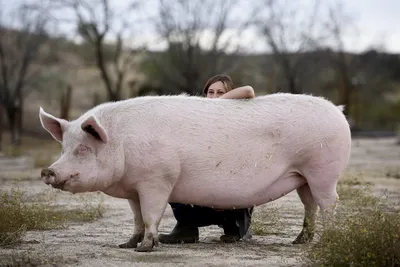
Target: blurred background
(70,55)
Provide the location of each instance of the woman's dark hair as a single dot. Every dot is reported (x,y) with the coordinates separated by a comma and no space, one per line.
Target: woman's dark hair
(225,79)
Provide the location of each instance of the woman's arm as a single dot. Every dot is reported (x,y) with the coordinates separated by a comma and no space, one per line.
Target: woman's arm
(240,93)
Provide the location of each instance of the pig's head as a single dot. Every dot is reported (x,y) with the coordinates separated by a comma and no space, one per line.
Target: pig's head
(86,162)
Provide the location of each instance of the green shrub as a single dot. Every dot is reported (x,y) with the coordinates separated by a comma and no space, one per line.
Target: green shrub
(364,232)
(266,220)
(34,258)
(393,173)
(20,213)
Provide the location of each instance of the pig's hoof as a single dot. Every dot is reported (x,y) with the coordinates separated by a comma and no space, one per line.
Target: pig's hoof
(132,243)
(144,248)
(148,243)
(303,238)
(128,245)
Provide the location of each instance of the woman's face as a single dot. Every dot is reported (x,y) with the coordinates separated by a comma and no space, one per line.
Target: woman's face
(216,90)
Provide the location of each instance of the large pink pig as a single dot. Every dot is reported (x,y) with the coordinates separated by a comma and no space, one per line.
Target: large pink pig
(217,153)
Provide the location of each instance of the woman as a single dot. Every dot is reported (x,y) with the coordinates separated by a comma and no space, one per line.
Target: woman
(236,222)
(221,86)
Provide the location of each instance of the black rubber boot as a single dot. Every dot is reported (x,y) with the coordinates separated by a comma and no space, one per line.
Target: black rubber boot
(244,224)
(237,226)
(231,227)
(180,235)
(231,234)
(248,235)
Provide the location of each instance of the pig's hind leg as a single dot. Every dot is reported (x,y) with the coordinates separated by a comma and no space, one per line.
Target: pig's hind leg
(310,212)
(287,183)
(322,183)
(138,231)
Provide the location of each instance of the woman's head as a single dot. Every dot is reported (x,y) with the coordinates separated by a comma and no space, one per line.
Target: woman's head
(217,86)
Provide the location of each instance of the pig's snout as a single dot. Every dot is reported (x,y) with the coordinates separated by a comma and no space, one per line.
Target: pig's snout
(48,176)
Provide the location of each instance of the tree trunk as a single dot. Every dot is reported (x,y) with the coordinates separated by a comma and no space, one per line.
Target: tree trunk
(346,87)
(65,102)
(292,86)
(1,127)
(18,114)
(96,99)
(345,92)
(115,96)
(19,123)
(356,108)
(132,89)
(14,115)
(11,115)
(18,127)
(270,83)
(293,89)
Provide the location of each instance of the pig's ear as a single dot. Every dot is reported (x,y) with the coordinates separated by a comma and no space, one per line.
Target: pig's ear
(93,127)
(53,125)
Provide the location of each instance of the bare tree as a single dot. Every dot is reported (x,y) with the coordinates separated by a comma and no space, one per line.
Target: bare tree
(96,21)
(185,27)
(22,34)
(290,33)
(337,25)
(1,121)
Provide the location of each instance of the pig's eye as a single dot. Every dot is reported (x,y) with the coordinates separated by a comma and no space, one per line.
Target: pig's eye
(82,150)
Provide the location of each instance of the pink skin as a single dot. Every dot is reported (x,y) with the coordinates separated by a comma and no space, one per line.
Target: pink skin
(155,150)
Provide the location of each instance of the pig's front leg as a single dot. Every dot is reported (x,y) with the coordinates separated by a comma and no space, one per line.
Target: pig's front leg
(153,201)
(138,231)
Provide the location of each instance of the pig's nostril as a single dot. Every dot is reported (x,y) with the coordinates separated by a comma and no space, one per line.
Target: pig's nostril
(48,172)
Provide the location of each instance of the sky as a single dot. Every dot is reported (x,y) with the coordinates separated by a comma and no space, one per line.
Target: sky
(377,24)
(378,21)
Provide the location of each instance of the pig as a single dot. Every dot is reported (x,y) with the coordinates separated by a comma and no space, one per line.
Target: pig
(219,153)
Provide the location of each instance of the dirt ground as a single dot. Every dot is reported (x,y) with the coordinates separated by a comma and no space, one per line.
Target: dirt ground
(95,243)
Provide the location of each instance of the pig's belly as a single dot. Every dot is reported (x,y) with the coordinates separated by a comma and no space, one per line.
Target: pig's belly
(216,195)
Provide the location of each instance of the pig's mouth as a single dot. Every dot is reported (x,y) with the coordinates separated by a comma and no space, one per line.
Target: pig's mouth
(59,185)
(64,184)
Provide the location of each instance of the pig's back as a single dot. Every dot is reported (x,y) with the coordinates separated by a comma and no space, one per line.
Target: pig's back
(275,120)
(203,130)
